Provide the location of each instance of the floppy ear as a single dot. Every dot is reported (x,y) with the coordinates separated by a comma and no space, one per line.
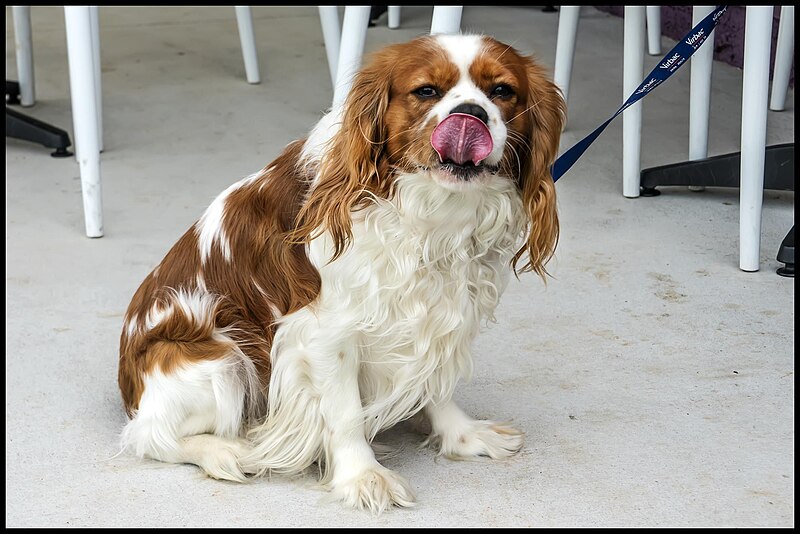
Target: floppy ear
(353,167)
(547,112)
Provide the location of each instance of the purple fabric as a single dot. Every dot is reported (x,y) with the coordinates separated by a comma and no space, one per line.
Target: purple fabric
(676,21)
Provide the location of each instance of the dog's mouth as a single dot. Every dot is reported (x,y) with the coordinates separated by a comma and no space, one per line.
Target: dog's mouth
(462,142)
(466,171)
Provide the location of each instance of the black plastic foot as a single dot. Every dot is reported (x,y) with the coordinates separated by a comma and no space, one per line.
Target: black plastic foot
(549,9)
(375,13)
(786,255)
(61,153)
(649,192)
(21,126)
(12,92)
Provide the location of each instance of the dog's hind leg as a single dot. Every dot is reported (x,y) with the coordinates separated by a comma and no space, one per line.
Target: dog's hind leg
(192,415)
(193,386)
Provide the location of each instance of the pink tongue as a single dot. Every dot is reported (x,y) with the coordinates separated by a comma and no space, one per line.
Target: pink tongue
(461,138)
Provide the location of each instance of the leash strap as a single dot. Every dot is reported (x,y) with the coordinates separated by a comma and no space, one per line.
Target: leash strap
(671,62)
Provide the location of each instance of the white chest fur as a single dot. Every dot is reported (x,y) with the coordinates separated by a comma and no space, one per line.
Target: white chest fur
(407,297)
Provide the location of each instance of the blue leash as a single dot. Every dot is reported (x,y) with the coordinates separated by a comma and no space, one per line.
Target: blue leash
(671,62)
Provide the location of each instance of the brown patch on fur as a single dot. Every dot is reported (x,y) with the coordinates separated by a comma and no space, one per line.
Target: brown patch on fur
(378,137)
(264,271)
(408,136)
(534,117)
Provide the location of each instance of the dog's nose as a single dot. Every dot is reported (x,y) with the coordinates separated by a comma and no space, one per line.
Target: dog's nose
(472,109)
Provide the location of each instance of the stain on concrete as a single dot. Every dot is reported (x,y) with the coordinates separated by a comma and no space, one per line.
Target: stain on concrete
(669,292)
(670,295)
(110,315)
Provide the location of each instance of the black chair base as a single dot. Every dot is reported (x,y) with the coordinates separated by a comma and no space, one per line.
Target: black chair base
(20,126)
(724,171)
(786,255)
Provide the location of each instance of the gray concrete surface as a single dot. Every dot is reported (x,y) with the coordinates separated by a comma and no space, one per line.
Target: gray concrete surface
(654,379)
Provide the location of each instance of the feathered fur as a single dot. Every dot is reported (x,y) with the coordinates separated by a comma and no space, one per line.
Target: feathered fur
(337,292)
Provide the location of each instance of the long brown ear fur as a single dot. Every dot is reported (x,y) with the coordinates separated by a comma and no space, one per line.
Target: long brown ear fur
(354,167)
(547,113)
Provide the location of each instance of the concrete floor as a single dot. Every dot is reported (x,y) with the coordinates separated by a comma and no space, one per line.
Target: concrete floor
(654,379)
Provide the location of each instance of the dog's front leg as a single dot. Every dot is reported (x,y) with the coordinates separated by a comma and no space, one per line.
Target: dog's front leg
(459,436)
(356,477)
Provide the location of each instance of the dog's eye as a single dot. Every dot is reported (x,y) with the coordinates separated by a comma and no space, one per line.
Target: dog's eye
(427,91)
(502,90)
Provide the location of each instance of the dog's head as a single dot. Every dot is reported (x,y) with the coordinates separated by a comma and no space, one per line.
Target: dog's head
(461,108)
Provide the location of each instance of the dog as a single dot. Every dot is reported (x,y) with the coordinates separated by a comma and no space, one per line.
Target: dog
(337,291)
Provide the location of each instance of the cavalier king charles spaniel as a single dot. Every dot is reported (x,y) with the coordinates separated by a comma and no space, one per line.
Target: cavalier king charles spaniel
(337,291)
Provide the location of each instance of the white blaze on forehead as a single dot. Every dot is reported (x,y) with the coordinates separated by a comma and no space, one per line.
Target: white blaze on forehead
(462,51)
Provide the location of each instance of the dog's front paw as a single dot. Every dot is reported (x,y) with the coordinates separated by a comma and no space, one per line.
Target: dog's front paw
(375,489)
(479,438)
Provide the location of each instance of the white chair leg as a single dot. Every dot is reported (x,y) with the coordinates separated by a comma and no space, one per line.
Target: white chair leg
(654,30)
(244,19)
(98,71)
(354,35)
(568,17)
(24,50)
(84,113)
(446,19)
(394,17)
(783,59)
(632,73)
(755,86)
(700,93)
(331,34)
